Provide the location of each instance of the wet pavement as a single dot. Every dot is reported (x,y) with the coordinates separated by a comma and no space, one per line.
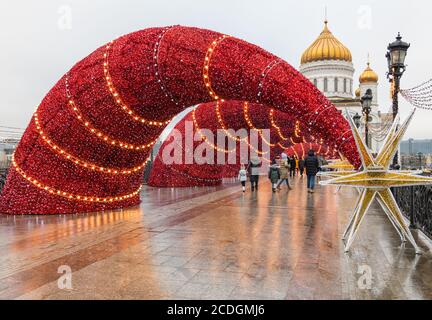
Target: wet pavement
(213,243)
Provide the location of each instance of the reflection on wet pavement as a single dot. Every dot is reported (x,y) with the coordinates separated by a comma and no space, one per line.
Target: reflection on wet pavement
(212,243)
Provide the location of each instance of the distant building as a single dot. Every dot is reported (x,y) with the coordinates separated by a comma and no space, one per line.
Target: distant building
(327,63)
(6,151)
(414,146)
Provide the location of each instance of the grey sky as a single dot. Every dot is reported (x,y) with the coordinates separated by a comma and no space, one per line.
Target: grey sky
(36,48)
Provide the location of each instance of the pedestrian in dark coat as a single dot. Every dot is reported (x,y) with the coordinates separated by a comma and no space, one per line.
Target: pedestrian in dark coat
(293,163)
(301,166)
(253,168)
(274,174)
(311,165)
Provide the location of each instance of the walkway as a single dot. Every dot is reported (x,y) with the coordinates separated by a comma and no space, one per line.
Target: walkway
(212,243)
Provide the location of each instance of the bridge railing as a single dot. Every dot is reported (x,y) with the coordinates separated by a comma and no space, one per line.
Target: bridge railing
(416,205)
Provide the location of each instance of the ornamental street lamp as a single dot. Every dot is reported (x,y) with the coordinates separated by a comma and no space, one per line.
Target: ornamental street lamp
(420,155)
(356,119)
(396,53)
(366,102)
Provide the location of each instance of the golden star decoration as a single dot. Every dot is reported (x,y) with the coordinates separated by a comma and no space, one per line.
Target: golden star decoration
(337,168)
(339,164)
(374,181)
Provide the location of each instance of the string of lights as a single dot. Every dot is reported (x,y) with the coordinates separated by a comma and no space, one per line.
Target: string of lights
(70,196)
(222,124)
(251,126)
(157,73)
(206,76)
(274,125)
(229,135)
(204,138)
(317,113)
(98,133)
(419,96)
(263,76)
(89,165)
(117,97)
(342,137)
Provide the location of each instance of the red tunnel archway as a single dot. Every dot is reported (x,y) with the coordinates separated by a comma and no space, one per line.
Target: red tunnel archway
(85,148)
(286,134)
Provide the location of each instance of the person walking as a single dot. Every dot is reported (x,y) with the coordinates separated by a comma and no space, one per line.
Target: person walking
(253,168)
(321,163)
(242,176)
(301,166)
(284,172)
(311,165)
(274,174)
(292,166)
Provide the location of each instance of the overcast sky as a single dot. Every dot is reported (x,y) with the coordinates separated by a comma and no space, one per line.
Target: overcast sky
(41,40)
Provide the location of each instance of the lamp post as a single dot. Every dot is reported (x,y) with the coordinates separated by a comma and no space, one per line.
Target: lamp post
(420,154)
(356,119)
(396,53)
(366,102)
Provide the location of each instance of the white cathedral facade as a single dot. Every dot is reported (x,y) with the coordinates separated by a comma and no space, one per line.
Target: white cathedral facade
(327,63)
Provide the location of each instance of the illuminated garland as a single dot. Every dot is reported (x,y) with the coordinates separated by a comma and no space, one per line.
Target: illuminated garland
(295,152)
(117,98)
(266,70)
(251,126)
(69,195)
(318,114)
(222,124)
(98,133)
(157,73)
(342,137)
(274,125)
(297,130)
(419,96)
(78,161)
(206,76)
(303,150)
(237,139)
(282,146)
(204,138)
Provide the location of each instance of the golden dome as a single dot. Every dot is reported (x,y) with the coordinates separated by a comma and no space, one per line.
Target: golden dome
(368,75)
(357,93)
(326,47)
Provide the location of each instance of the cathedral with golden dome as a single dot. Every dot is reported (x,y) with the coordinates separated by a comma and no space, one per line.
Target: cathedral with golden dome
(327,63)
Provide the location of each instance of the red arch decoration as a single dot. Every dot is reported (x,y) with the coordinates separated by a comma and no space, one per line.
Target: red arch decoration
(300,150)
(286,135)
(91,134)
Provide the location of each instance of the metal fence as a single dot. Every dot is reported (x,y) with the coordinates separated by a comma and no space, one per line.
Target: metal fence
(416,205)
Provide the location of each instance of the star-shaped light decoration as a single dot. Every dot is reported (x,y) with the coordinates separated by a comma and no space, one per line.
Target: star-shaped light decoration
(374,181)
(341,164)
(337,168)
